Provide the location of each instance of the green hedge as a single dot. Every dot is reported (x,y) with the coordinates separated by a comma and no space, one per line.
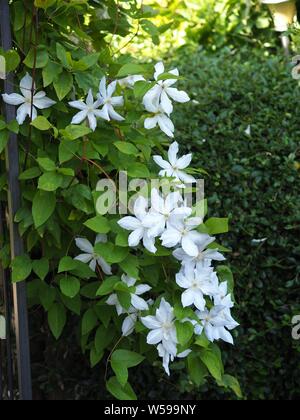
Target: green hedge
(254,178)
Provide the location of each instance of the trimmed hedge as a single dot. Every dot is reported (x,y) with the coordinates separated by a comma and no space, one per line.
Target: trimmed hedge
(255,178)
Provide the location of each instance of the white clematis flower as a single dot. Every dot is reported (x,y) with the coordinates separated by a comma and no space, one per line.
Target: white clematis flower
(162,94)
(204,257)
(162,209)
(163,329)
(160,119)
(197,285)
(28,102)
(175,167)
(89,111)
(168,357)
(214,325)
(180,231)
(109,101)
(130,81)
(140,229)
(90,257)
(137,302)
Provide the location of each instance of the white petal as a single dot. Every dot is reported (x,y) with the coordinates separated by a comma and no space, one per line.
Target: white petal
(93,264)
(128,325)
(150,322)
(184,161)
(111,88)
(26,86)
(170,238)
(155,336)
(106,268)
(139,303)
(79,117)
(135,237)
(129,223)
(166,104)
(189,246)
(142,288)
(161,162)
(150,123)
(151,99)
(182,281)
(13,99)
(187,179)
(199,300)
(166,125)
(84,245)
(78,105)
(117,101)
(102,88)
(90,98)
(113,114)
(173,152)
(101,237)
(187,298)
(43,103)
(149,243)
(159,69)
(85,258)
(102,113)
(92,121)
(178,96)
(22,113)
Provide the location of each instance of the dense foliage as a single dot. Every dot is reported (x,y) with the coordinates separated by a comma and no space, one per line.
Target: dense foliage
(246,133)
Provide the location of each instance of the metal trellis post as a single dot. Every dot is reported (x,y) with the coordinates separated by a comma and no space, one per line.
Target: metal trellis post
(14,202)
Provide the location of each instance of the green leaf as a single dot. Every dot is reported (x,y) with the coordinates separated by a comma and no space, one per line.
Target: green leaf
(125,393)
(73,132)
(41,123)
(51,72)
(62,55)
(132,69)
(141,88)
(86,62)
(21,268)
(111,253)
(196,369)
(43,207)
(63,84)
(107,286)
(44,4)
(30,173)
(98,224)
(185,332)
(131,266)
(4,136)
(69,286)
(12,60)
(212,362)
(89,321)
(41,268)
(46,164)
(125,299)
(121,361)
(126,148)
(13,126)
(231,382)
(103,338)
(50,181)
(38,59)
(138,170)
(217,225)
(225,274)
(57,319)
(67,264)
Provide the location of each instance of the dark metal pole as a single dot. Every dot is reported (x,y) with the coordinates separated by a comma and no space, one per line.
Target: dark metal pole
(14,203)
